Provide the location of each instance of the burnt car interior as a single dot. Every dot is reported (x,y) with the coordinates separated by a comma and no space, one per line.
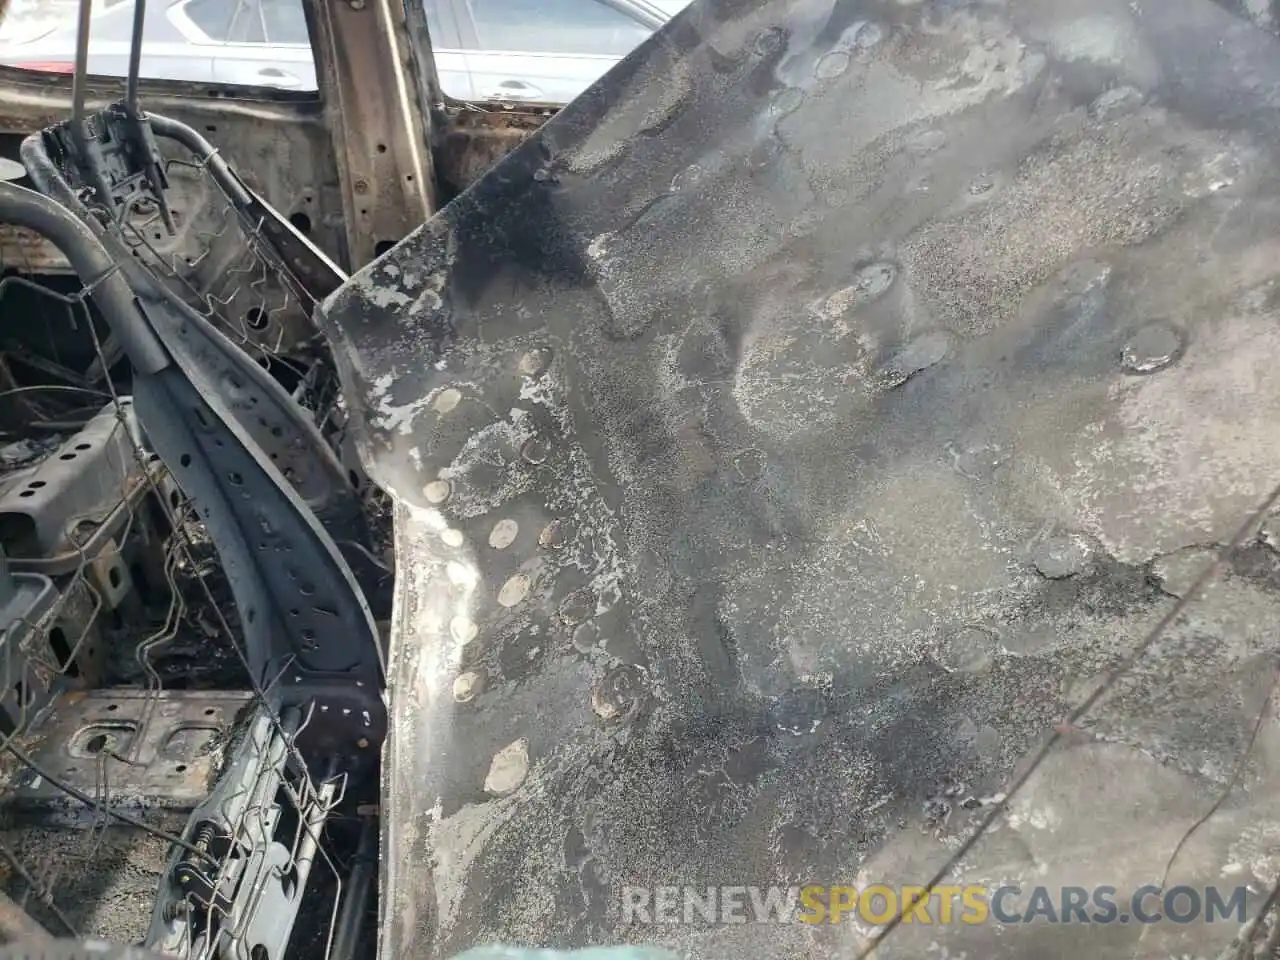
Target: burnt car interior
(421,521)
(196,573)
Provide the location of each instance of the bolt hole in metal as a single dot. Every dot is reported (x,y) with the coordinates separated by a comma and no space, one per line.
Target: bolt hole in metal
(256,319)
(97,744)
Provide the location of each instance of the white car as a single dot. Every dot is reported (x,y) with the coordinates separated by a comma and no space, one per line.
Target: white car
(545,51)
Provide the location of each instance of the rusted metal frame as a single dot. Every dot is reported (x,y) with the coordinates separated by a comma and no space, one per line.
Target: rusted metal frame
(379,127)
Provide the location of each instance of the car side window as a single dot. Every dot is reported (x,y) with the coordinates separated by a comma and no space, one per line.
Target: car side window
(234,22)
(250,21)
(285,21)
(555,26)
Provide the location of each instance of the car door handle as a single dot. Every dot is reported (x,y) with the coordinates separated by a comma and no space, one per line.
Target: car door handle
(276,77)
(515,90)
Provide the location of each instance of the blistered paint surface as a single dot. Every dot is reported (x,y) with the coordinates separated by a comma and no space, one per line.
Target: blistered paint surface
(790,434)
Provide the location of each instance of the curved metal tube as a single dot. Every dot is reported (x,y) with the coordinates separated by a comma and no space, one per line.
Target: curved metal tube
(222,173)
(91,262)
(44,173)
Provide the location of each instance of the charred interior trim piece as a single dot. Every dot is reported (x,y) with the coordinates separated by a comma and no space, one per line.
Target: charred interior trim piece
(380,130)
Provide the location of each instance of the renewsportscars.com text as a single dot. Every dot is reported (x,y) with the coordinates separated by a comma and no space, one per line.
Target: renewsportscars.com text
(878,904)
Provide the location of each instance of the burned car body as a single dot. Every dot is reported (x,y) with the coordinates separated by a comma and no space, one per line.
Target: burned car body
(799,431)
(834,451)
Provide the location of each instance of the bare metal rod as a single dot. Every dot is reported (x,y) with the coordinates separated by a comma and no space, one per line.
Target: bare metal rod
(135,56)
(355,906)
(80,79)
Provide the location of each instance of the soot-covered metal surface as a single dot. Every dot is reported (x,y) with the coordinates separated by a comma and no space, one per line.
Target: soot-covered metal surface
(792,432)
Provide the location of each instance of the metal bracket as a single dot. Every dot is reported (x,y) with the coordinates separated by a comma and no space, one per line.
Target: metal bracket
(163,749)
(25,599)
(69,506)
(117,160)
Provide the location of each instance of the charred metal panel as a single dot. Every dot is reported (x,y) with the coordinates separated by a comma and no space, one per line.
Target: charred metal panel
(791,434)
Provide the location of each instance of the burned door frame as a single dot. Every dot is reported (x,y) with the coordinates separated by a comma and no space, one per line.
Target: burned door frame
(376,117)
